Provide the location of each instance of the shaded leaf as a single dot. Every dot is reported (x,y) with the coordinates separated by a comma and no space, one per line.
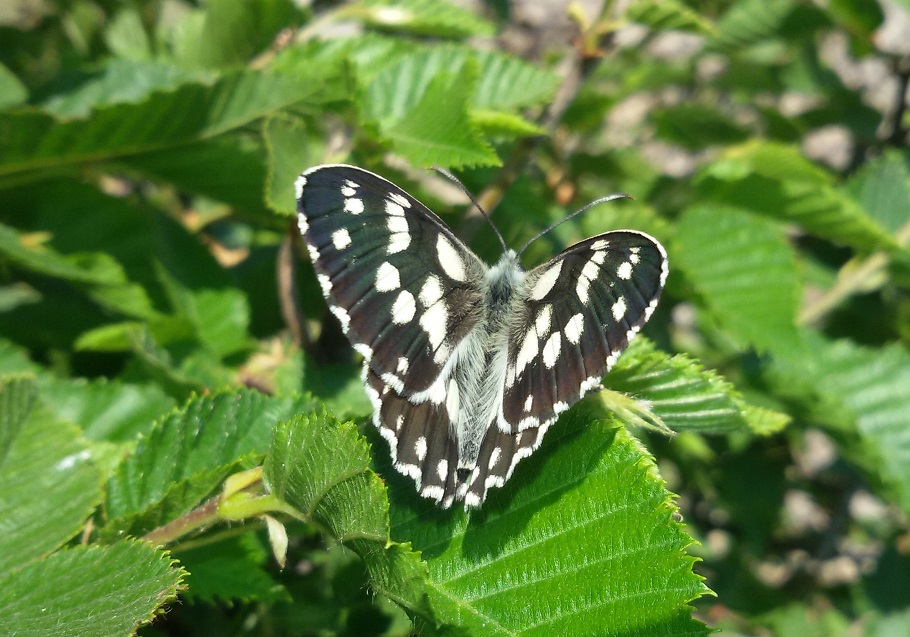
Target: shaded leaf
(668,15)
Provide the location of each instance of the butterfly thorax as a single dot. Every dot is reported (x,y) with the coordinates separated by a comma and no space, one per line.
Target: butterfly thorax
(482,357)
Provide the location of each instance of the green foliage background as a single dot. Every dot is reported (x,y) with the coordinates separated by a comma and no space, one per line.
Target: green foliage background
(183,437)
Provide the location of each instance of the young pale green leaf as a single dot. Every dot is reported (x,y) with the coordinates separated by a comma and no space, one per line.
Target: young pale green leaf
(776,180)
(678,390)
(581,541)
(503,124)
(50,485)
(668,15)
(36,141)
(12,90)
(438,131)
(321,468)
(187,454)
(437,18)
(82,591)
(870,388)
(14,360)
(106,410)
(745,272)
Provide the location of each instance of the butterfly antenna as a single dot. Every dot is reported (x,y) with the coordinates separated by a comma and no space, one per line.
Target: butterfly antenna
(620,195)
(446,173)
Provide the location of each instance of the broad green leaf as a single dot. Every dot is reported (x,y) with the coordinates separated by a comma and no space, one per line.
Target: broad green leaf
(17,295)
(438,131)
(668,15)
(581,541)
(50,486)
(189,453)
(12,90)
(749,22)
(89,591)
(120,81)
(106,410)
(102,278)
(17,398)
(697,126)
(425,17)
(36,141)
(744,270)
(14,359)
(882,188)
(288,157)
(502,82)
(231,569)
(870,389)
(229,33)
(777,181)
(678,390)
(321,468)
(126,36)
(504,124)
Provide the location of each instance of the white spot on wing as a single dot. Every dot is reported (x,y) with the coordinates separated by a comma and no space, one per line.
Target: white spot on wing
(342,316)
(400,199)
(529,402)
(402,365)
(302,224)
(449,259)
(341,239)
(397,224)
(574,328)
(543,320)
(420,448)
(452,401)
(433,323)
(528,351)
(619,309)
(399,243)
(354,206)
(551,350)
(545,283)
(325,283)
(364,350)
(494,457)
(394,209)
(404,308)
(387,278)
(431,291)
(442,469)
(598,257)
(600,244)
(299,183)
(624,271)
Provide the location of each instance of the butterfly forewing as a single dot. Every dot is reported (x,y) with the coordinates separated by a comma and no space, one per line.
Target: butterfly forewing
(582,308)
(401,284)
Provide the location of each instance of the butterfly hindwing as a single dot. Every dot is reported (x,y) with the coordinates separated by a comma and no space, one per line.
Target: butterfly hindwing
(402,285)
(581,310)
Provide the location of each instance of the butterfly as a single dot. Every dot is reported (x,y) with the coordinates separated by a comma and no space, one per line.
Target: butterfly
(467,365)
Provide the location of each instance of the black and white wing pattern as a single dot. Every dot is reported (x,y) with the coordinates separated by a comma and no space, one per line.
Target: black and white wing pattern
(467,365)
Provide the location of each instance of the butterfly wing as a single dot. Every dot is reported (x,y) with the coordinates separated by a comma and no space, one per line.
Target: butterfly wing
(577,314)
(581,310)
(404,288)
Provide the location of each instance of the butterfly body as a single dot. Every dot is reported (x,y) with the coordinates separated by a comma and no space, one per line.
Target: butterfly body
(466,364)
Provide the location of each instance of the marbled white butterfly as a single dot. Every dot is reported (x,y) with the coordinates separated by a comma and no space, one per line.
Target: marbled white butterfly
(467,365)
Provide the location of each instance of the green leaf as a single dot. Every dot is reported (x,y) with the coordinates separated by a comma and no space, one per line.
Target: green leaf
(97,273)
(17,397)
(867,388)
(438,131)
(882,189)
(187,455)
(86,591)
(424,17)
(749,22)
(36,141)
(12,91)
(579,542)
(744,271)
(504,124)
(668,15)
(697,126)
(106,410)
(288,157)
(231,569)
(776,180)
(321,468)
(50,486)
(678,390)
